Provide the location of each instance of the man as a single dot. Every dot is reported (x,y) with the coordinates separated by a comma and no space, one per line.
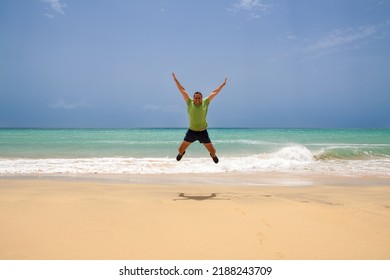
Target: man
(197,112)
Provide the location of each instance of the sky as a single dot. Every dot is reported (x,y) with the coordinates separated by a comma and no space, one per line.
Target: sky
(108,64)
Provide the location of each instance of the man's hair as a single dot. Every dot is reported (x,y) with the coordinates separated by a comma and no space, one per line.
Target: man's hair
(198,93)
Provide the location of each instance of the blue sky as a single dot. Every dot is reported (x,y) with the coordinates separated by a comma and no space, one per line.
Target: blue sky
(301,63)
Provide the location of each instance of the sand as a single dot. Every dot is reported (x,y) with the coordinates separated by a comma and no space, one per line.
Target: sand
(102,219)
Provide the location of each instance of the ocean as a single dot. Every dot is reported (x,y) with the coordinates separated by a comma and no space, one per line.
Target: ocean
(341,152)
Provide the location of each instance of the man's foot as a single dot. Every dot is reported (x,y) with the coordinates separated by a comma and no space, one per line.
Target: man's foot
(179,156)
(215,158)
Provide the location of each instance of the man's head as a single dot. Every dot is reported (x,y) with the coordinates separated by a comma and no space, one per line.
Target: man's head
(198,97)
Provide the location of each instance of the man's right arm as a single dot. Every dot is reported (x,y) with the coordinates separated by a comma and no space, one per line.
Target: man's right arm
(181,88)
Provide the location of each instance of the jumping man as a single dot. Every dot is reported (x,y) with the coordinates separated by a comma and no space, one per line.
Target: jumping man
(197,112)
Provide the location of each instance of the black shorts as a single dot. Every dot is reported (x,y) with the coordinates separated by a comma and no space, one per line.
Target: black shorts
(201,136)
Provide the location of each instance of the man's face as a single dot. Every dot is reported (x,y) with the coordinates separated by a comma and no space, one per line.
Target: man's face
(197,99)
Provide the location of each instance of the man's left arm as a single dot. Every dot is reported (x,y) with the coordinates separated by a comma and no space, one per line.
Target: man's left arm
(217,90)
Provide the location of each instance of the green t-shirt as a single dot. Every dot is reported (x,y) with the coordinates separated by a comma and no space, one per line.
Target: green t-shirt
(197,114)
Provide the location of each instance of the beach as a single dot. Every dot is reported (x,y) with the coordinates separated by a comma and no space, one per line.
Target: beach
(213,217)
(276,194)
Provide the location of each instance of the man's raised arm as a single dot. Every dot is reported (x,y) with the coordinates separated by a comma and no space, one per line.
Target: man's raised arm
(181,88)
(217,90)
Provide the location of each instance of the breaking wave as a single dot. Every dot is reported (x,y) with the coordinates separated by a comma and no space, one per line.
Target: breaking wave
(354,152)
(290,159)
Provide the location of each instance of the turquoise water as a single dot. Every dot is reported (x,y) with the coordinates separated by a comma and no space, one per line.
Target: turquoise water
(151,151)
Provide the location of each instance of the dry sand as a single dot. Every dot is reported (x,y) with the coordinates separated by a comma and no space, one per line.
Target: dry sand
(79,219)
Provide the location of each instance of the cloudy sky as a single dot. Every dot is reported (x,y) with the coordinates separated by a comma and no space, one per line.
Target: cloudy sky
(297,63)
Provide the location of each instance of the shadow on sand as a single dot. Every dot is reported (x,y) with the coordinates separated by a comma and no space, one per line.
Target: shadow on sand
(212,196)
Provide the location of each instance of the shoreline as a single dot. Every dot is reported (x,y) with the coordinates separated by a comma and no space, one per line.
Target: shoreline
(84,218)
(259,179)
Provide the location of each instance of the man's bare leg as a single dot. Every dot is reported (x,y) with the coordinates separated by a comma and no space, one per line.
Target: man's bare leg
(212,151)
(182,149)
(210,148)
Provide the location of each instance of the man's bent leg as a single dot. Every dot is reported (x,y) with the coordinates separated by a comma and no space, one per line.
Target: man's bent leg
(182,149)
(210,148)
(212,151)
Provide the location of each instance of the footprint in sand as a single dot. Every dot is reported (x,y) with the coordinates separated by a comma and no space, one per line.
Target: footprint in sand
(279,256)
(241,211)
(260,236)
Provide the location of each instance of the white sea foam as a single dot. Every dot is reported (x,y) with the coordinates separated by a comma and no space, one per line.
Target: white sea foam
(241,141)
(291,159)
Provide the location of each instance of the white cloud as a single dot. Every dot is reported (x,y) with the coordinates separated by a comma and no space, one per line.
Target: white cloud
(48,15)
(162,108)
(57,6)
(290,36)
(252,7)
(337,40)
(61,104)
(342,37)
